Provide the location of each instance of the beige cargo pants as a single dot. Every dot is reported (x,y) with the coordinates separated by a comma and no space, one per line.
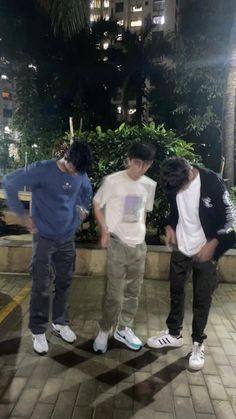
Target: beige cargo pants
(125,271)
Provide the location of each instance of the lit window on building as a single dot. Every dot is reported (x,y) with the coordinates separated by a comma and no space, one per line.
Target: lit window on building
(137,8)
(106,4)
(106,17)
(159,20)
(158,5)
(94,18)
(105,45)
(7,130)
(120,22)
(119,7)
(6,95)
(34,67)
(131,111)
(119,109)
(95,4)
(4,77)
(13,152)
(119,37)
(136,23)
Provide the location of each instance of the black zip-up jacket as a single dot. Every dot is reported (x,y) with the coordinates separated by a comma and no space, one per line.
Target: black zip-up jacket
(216,211)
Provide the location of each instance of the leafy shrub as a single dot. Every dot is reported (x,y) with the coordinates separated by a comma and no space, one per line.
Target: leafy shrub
(110,151)
(2,222)
(233,195)
(233,199)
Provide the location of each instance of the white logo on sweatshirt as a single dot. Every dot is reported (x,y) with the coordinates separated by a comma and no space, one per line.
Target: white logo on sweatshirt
(67,186)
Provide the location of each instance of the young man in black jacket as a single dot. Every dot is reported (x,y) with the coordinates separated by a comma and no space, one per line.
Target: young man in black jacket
(200,228)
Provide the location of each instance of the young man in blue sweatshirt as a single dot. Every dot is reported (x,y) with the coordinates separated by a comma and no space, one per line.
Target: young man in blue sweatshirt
(61,198)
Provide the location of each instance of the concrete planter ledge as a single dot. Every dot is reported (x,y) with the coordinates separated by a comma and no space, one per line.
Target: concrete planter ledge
(15,254)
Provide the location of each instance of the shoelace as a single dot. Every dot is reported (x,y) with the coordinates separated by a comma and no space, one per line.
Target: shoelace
(130,332)
(66,328)
(41,338)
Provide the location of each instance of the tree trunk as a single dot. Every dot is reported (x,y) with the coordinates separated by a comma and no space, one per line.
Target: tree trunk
(124,100)
(139,100)
(229,127)
(228,131)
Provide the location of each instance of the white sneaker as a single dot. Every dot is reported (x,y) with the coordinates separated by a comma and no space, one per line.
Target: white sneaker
(128,337)
(196,360)
(165,339)
(64,331)
(101,342)
(40,343)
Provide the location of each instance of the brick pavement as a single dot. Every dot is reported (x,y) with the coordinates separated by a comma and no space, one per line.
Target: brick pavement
(71,382)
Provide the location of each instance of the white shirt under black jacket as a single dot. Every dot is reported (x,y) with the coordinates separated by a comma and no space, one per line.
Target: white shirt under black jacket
(189,232)
(216,212)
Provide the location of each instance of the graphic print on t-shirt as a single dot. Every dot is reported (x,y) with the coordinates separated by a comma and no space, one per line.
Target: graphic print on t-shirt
(132,207)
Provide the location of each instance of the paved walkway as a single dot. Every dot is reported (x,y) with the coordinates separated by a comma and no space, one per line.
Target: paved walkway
(72,382)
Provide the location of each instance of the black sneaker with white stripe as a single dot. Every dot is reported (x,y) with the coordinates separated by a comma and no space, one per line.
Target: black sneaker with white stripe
(164,339)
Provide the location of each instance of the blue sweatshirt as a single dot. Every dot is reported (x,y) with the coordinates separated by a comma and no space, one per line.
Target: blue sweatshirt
(55,197)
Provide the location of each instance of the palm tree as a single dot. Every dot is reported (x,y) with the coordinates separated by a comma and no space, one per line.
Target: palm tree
(68,16)
(228,132)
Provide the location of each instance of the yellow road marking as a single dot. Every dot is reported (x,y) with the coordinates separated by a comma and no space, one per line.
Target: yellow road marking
(5,311)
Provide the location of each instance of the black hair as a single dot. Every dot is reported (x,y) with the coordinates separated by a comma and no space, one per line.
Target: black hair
(174,174)
(142,151)
(80,155)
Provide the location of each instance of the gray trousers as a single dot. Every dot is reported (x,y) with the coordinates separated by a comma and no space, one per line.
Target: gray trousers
(50,255)
(125,271)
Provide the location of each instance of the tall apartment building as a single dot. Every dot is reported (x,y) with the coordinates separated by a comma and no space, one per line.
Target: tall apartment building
(6,103)
(132,15)
(8,136)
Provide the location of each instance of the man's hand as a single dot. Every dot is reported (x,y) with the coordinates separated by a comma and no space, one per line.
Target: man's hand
(207,251)
(170,237)
(105,239)
(27,222)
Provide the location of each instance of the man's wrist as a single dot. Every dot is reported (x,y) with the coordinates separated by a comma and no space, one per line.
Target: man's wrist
(214,242)
(104,230)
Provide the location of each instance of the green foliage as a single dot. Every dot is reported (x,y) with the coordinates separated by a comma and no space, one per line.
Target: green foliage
(110,151)
(68,16)
(233,200)
(2,222)
(233,195)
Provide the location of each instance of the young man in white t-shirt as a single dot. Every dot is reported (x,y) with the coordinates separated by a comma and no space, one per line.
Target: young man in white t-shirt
(120,207)
(200,228)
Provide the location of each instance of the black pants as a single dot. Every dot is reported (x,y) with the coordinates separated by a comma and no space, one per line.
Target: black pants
(204,283)
(59,254)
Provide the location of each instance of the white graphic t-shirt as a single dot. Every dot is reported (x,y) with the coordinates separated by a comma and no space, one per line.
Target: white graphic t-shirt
(125,201)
